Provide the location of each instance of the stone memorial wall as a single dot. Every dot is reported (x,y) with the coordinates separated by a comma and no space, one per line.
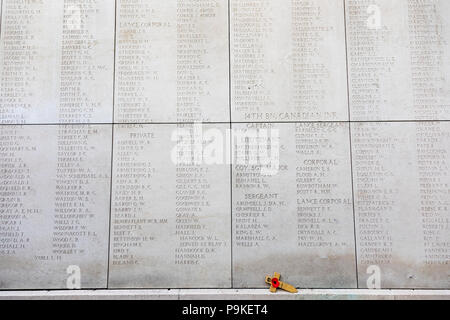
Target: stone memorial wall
(209,143)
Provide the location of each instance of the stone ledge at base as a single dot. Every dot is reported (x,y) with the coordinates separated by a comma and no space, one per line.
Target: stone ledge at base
(228,294)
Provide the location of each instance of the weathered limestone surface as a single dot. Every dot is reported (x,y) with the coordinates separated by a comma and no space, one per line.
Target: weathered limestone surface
(56,61)
(323,151)
(398,54)
(402,200)
(288,61)
(171,223)
(299,220)
(172,61)
(54,211)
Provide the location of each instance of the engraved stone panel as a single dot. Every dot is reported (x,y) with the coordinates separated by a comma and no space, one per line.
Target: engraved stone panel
(54,209)
(172,61)
(288,60)
(57,61)
(171,221)
(398,59)
(106,169)
(299,220)
(402,201)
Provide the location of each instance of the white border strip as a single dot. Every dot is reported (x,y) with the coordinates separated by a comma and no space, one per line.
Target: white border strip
(227,294)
